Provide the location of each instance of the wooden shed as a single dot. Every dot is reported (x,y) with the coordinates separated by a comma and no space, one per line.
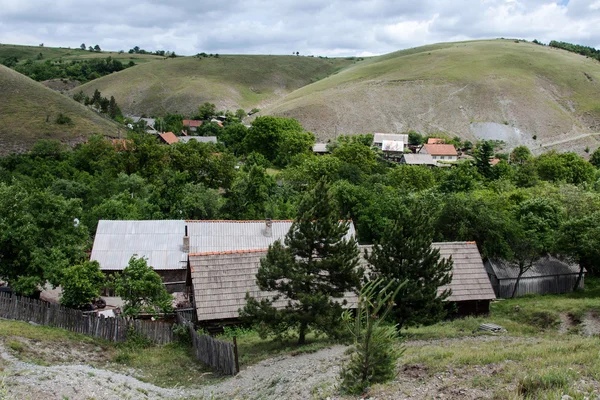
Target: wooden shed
(548,275)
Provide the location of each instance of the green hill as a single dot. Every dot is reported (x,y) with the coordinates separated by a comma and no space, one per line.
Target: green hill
(498,89)
(231,82)
(28,112)
(23,53)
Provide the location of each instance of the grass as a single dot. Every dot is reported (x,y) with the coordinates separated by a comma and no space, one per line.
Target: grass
(230,81)
(29,112)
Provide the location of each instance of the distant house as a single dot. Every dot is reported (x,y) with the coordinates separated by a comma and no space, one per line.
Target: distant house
(217,121)
(201,139)
(435,141)
(320,148)
(470,285)
(440,152)
(192,124)
(393,145)
(168,137)
(417,159)
(149,123)
(548,275)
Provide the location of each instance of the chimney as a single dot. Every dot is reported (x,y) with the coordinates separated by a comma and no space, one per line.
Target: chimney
(186,241)
(268,227)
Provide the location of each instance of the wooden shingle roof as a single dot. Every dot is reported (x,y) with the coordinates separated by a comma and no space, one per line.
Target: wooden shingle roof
(220,281)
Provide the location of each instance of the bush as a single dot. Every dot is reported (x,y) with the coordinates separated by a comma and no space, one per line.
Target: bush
(182,334)
(63,119)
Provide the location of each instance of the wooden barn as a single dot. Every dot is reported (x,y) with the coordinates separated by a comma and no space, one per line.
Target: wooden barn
(471,287)
(548,275)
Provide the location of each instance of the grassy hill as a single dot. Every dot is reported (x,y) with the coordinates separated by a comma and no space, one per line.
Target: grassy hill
(497,89)
(28,112)
(231,82)
(24,53)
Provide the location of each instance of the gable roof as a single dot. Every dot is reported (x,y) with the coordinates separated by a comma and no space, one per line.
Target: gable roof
(192,123)
(545,266)
(161,242)
(418,159)
(220,282)
(469,278)
(201,139)
(432,140)
(440,149)
(395,137)
(224,235)
(168,137)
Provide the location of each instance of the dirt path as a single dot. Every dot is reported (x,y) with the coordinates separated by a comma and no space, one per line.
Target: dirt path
(571,139)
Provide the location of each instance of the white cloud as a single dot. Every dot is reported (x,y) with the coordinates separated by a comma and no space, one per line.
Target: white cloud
(337,27)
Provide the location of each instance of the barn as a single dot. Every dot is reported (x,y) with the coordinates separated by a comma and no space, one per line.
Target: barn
(548,275)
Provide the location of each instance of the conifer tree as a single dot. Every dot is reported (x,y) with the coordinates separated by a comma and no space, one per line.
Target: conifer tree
(405,254)
(312,269)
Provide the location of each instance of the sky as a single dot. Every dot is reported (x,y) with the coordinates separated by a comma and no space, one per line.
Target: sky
(311,27)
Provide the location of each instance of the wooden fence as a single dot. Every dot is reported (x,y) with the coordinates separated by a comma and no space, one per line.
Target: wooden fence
(222,356)
(91,324)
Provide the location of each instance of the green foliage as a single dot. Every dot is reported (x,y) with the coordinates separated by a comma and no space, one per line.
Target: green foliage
(314,269)
(375,351)
(576,48)
(483,154)
(81,284)
(141,289)
(80,70)
(404,254)
(595,158)
(63,119)
(206,111)
(415,138)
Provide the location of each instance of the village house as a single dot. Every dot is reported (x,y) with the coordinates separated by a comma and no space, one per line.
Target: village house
(168,137)
(440,152)
(433,140)
(393,145)
(201,139)
(320,148)
(548,275)
(192,124)
(149,123)
(417,159)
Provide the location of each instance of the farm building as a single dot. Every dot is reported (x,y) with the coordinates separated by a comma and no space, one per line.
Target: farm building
(168,137)
(471,287)
(392,144)
(417,159)
(547,275)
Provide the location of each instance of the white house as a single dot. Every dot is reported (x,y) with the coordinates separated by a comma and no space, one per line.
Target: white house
(440,152)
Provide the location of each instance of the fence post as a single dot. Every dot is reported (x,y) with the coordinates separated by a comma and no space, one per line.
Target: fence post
(235,353)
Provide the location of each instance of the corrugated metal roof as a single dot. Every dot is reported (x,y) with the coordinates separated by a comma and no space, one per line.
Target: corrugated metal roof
(161,242)
(545,266)
(221,281)
(320,148)
(398,137)
(219,236)
(469,278)
(418,159)
(202,139)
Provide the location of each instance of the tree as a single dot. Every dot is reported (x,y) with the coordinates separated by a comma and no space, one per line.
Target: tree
(97,49)
(483,155)
(315,268)
(415,138)
(142,289)
(595,158)
(91,49)
(405,254)
(240,114)
(374,353)
(82,47)
(520,155)
(81,284)
(207,111)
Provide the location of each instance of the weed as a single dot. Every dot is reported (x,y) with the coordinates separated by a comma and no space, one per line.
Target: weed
(16,346)
(91,374)
(531,385)
(143,391)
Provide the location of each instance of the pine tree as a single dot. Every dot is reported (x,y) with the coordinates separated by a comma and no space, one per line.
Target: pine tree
(405,254)
(484,153)
(314,269)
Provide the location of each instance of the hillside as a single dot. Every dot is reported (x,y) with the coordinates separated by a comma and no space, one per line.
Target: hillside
(231,82)
(28,112)
(23,53)
(494,89)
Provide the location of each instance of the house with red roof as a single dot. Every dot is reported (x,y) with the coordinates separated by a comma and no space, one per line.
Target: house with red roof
(168,137)
(440,152)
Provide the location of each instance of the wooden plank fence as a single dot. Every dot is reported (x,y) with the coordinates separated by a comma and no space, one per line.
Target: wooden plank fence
(91,324)
(220,355)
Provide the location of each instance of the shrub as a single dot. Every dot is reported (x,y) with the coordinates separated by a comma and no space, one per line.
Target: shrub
(63,119)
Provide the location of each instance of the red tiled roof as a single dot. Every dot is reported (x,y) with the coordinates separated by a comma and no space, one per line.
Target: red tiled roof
(494,161)
(440,149)
(192,123)
(433,140)
(168,137)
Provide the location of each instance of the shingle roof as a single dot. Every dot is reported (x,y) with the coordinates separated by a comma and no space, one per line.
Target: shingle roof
(545,266)
(221,280)
(218,236)
(201,139)
(440,149)
(192,123)
(418,159)
(397,137)
(469,278)
(168,137)
(161,242)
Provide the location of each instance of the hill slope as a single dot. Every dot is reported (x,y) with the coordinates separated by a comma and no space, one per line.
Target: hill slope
(25,107)
(495,89)
(231,82)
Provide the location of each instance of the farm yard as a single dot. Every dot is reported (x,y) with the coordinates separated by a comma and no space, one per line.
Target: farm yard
(550,350)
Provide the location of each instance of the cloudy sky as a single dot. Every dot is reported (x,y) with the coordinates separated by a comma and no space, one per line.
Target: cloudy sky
(284,26)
